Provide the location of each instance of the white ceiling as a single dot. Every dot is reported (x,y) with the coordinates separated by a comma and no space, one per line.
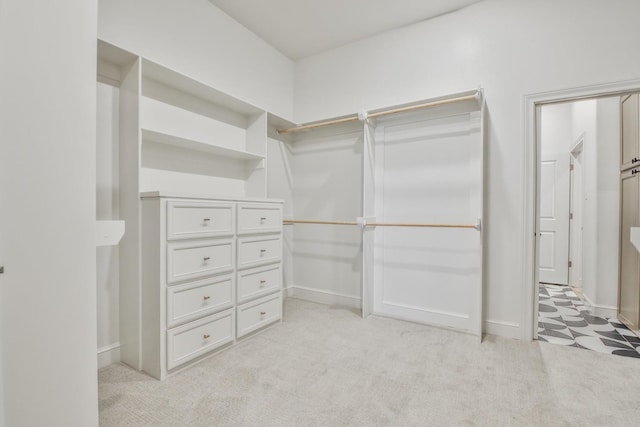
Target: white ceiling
(300,28)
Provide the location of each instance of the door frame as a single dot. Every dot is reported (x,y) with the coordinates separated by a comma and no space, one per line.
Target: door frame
(530,184)
(574,152)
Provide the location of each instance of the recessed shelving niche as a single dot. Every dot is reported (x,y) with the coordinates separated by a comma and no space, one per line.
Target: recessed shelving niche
(197,138)
(175,134)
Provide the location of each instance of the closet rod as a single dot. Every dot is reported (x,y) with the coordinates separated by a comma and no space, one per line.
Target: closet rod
(424,105)
(379,224)
(320,124)
(305,221)
(393,224)
(355,118)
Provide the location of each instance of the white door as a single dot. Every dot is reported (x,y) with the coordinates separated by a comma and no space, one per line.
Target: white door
(554,218)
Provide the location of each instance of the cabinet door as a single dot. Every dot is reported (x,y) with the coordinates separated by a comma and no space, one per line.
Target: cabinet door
(629,143)
(629,286)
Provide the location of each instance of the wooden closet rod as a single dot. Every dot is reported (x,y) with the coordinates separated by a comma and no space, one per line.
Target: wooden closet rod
(305,221)
(424,105)
(355,118)
(393,224)
(320,124)
(380,224)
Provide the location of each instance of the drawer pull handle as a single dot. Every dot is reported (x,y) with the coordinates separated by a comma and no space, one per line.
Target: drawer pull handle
(262,313)
(207,219)
(207,258)
(263,251)
(206,336)
(262,282)
(206,297)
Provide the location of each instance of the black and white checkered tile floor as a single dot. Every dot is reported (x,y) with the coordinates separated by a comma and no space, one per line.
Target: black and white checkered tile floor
(564,319)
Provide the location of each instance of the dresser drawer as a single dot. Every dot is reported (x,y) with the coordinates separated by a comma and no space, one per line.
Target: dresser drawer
(259,218)
(186,261)
(197,299)
(194,339)
(256,314)
(259,281)
(187,220)
(259,250)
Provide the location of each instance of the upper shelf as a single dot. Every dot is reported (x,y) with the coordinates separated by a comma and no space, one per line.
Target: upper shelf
(189,144)
(191,86)
(112,59)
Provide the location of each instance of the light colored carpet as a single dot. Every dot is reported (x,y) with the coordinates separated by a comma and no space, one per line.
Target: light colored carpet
(326,366)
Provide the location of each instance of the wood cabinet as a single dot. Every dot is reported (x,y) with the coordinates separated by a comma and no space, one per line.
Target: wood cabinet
(630,143)
(629,273)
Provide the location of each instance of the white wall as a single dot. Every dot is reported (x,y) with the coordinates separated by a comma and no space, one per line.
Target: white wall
(2,255)
(47,189)
(605,298)
(510,48)
(584,124)
(198,39)
(107,208)
(599,122)
(280,185)
(326,169)
(556,128)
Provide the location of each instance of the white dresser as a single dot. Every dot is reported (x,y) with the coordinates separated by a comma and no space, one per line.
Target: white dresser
(211,274)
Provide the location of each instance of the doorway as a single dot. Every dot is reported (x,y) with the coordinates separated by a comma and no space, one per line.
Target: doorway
(577,217)
(531,155)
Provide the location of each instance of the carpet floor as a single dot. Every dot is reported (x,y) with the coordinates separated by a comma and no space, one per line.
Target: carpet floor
(325,366)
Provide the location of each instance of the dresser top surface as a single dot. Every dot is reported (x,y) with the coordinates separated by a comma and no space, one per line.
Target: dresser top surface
(172,195)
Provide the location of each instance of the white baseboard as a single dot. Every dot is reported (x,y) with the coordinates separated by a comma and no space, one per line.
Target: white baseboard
(503,329)
(108,355)
(601,310)
(323,297)
(493,327)
(588,301)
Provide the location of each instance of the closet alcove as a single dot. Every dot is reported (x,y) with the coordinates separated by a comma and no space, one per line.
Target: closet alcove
(200,265)
(385,210)
(397,192)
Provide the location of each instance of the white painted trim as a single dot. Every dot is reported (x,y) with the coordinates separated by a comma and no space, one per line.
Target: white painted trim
(449,320)
(427,310)
(425,323)
(529,184)
(323,297)
(502,329)
(108,355)
(608,311)
(588,302)
(577,146)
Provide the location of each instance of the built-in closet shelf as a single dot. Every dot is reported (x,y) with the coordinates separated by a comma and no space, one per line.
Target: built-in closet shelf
(111,62)
(189,144)
(174,195)
(193,87)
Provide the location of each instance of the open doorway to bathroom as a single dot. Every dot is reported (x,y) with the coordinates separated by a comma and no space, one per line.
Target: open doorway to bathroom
(579,226)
